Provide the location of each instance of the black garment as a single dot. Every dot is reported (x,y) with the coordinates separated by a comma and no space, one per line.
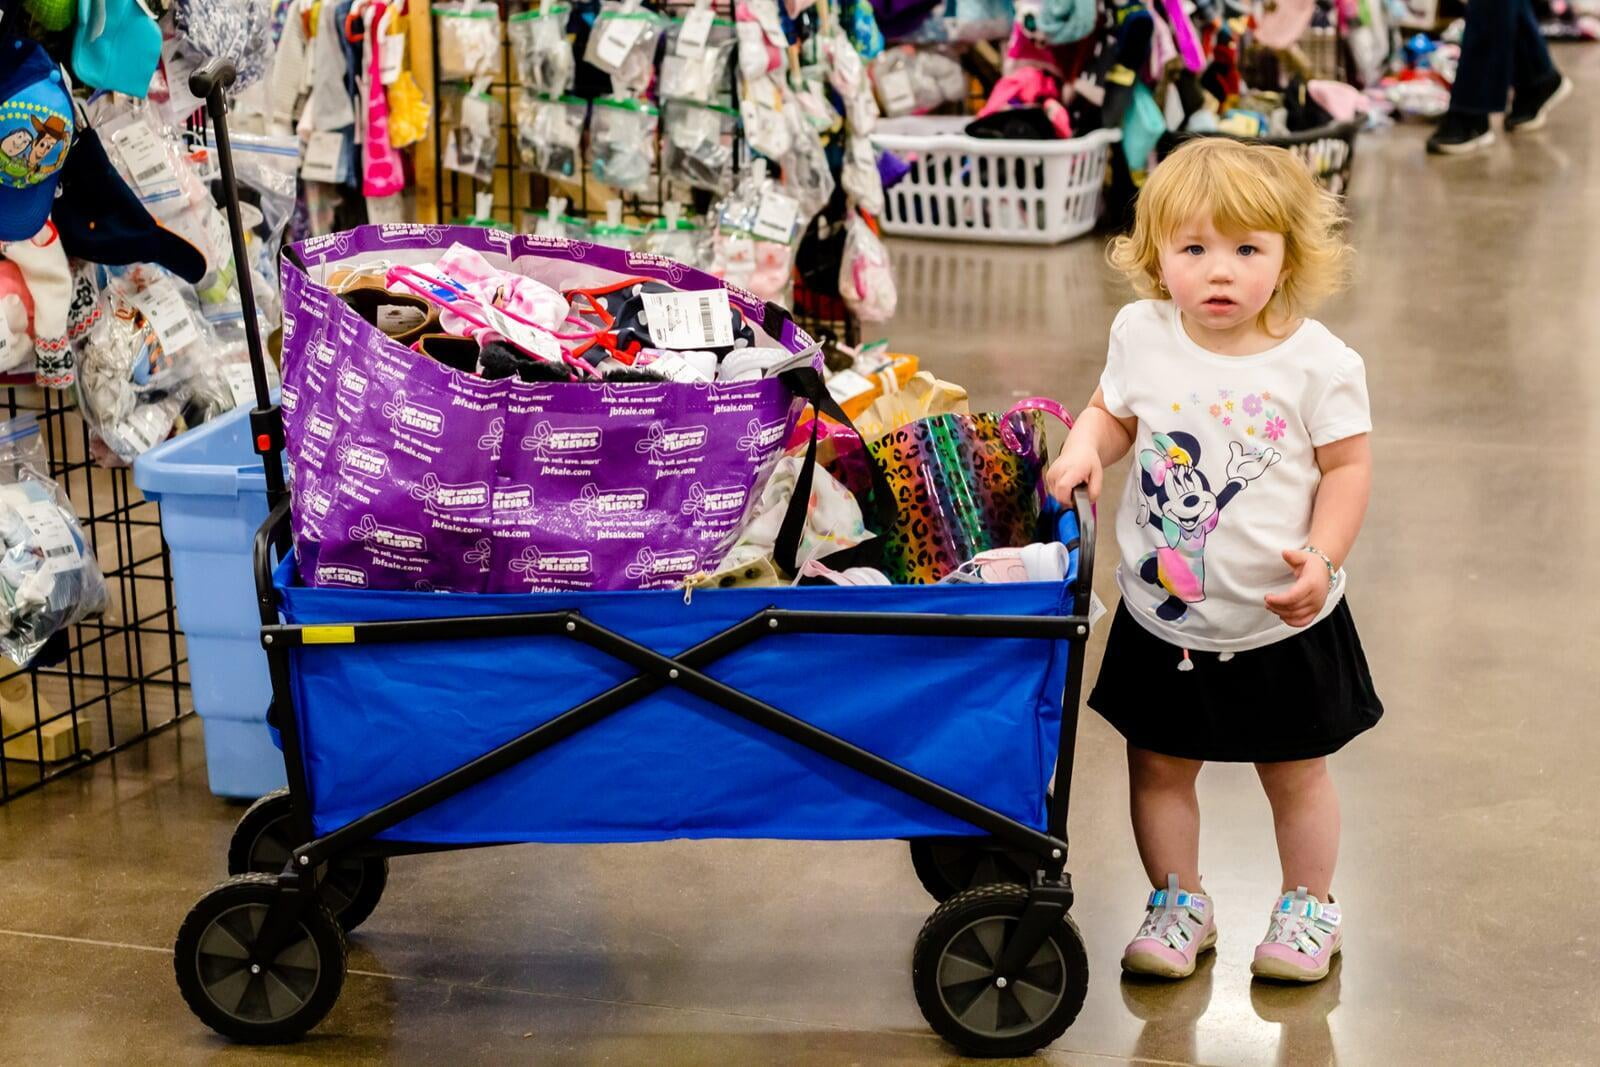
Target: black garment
(1501,49)
(1299,698)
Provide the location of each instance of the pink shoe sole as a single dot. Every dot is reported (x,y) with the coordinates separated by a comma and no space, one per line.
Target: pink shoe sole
(1285,966)
(1158,960)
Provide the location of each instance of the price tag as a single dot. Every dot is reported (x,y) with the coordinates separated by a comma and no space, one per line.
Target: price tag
(50,536)
(145,155)
(695,32)
(535,342)
(242,383)
(391,57)
(775,221)
(169,316)
(220,236)
(617,40)
(324,154)
(898,97)
(847,385)
(145,428)
(686,321)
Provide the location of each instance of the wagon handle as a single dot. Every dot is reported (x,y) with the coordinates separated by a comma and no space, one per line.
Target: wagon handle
(211,82)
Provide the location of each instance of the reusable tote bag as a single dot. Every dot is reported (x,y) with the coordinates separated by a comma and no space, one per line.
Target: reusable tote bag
(411,475)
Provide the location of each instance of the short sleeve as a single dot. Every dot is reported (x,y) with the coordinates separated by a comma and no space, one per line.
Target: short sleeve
(1113,380)
(1342,411)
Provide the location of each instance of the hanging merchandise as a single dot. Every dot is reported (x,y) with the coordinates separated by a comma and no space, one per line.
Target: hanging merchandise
(409,112)
(236,30)
(760,37)
(863,27)
(36,126)
(550,133)
(848,76)
(555,222)
(807,175)
(622,143)
(911,81)
(695,66)
(541,51)
(116,46)
(49,576)
(137,360)
(761,108)
(699,144)
(623,45)
(757,227)
(859,175)
(473,145)
(468,40)
(866,281)
(382,172)
(677,239)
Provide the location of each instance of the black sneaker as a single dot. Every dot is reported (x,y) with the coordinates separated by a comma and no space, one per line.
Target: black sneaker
(1460,134)
(1530,107)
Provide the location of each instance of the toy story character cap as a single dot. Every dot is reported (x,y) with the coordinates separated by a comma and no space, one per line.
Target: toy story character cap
(35,134)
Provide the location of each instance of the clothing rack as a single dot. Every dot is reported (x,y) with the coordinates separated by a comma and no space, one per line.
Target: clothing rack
(517,190)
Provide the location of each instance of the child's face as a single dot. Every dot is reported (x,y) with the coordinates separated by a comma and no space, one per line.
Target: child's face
(1221,281)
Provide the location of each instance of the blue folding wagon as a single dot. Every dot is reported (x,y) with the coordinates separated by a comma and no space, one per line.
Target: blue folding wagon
(422,722)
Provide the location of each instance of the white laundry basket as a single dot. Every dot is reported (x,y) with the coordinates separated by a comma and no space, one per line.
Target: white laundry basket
(977,189)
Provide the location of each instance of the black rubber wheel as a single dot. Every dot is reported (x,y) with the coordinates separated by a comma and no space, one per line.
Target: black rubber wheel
(263,843)
(257,1002)
(949,865)
(953,975)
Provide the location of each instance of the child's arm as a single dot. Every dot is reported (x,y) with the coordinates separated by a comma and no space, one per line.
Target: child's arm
(1097,439)
(1336,517)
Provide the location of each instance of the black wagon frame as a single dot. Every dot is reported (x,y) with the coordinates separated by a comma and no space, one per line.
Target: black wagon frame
(286,901)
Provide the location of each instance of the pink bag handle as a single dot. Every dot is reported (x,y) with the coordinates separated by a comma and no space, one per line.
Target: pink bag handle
(1033,403)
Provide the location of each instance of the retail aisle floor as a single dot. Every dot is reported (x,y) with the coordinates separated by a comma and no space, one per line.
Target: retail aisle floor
(1470,848)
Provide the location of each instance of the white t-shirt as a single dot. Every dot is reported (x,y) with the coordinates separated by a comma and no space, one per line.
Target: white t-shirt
(1225,472)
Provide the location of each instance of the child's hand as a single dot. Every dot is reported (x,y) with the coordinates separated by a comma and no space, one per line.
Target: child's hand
(1302,601)
(1074,467)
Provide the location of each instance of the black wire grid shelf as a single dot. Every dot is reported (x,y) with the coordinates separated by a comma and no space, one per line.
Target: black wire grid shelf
(114,680)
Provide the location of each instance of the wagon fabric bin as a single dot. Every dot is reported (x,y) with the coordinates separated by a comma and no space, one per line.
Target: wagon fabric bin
(977,715)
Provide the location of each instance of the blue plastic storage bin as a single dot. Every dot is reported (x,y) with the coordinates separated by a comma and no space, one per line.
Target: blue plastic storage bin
(213,496)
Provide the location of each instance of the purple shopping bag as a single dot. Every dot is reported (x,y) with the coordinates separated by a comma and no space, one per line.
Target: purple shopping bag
(410,475)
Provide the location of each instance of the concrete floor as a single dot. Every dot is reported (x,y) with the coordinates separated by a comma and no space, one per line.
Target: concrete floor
(1471,813)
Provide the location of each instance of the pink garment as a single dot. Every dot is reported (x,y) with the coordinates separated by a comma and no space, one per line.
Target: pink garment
(1183,30)
(516,293)
(381,172)
(1030,87)
(1024,51)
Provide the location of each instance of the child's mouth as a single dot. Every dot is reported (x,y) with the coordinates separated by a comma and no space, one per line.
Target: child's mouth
(1219,303)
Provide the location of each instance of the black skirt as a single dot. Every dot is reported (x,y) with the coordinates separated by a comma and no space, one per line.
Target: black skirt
(1299,698)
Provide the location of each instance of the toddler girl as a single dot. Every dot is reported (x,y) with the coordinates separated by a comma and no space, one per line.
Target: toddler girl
(1233,641)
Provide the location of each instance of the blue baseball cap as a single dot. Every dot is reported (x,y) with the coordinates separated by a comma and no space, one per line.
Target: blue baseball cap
(35,134)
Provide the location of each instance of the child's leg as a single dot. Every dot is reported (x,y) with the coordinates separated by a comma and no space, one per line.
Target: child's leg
(1305,814)
(1166,816)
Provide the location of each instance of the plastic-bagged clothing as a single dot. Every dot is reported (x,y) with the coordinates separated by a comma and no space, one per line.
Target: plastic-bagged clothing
(49,577)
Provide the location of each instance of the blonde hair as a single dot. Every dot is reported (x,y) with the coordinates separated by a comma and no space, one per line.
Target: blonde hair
(1241,187)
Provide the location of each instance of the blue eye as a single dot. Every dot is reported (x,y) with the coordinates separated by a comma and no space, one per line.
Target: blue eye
(1248,250)
(1194,250)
